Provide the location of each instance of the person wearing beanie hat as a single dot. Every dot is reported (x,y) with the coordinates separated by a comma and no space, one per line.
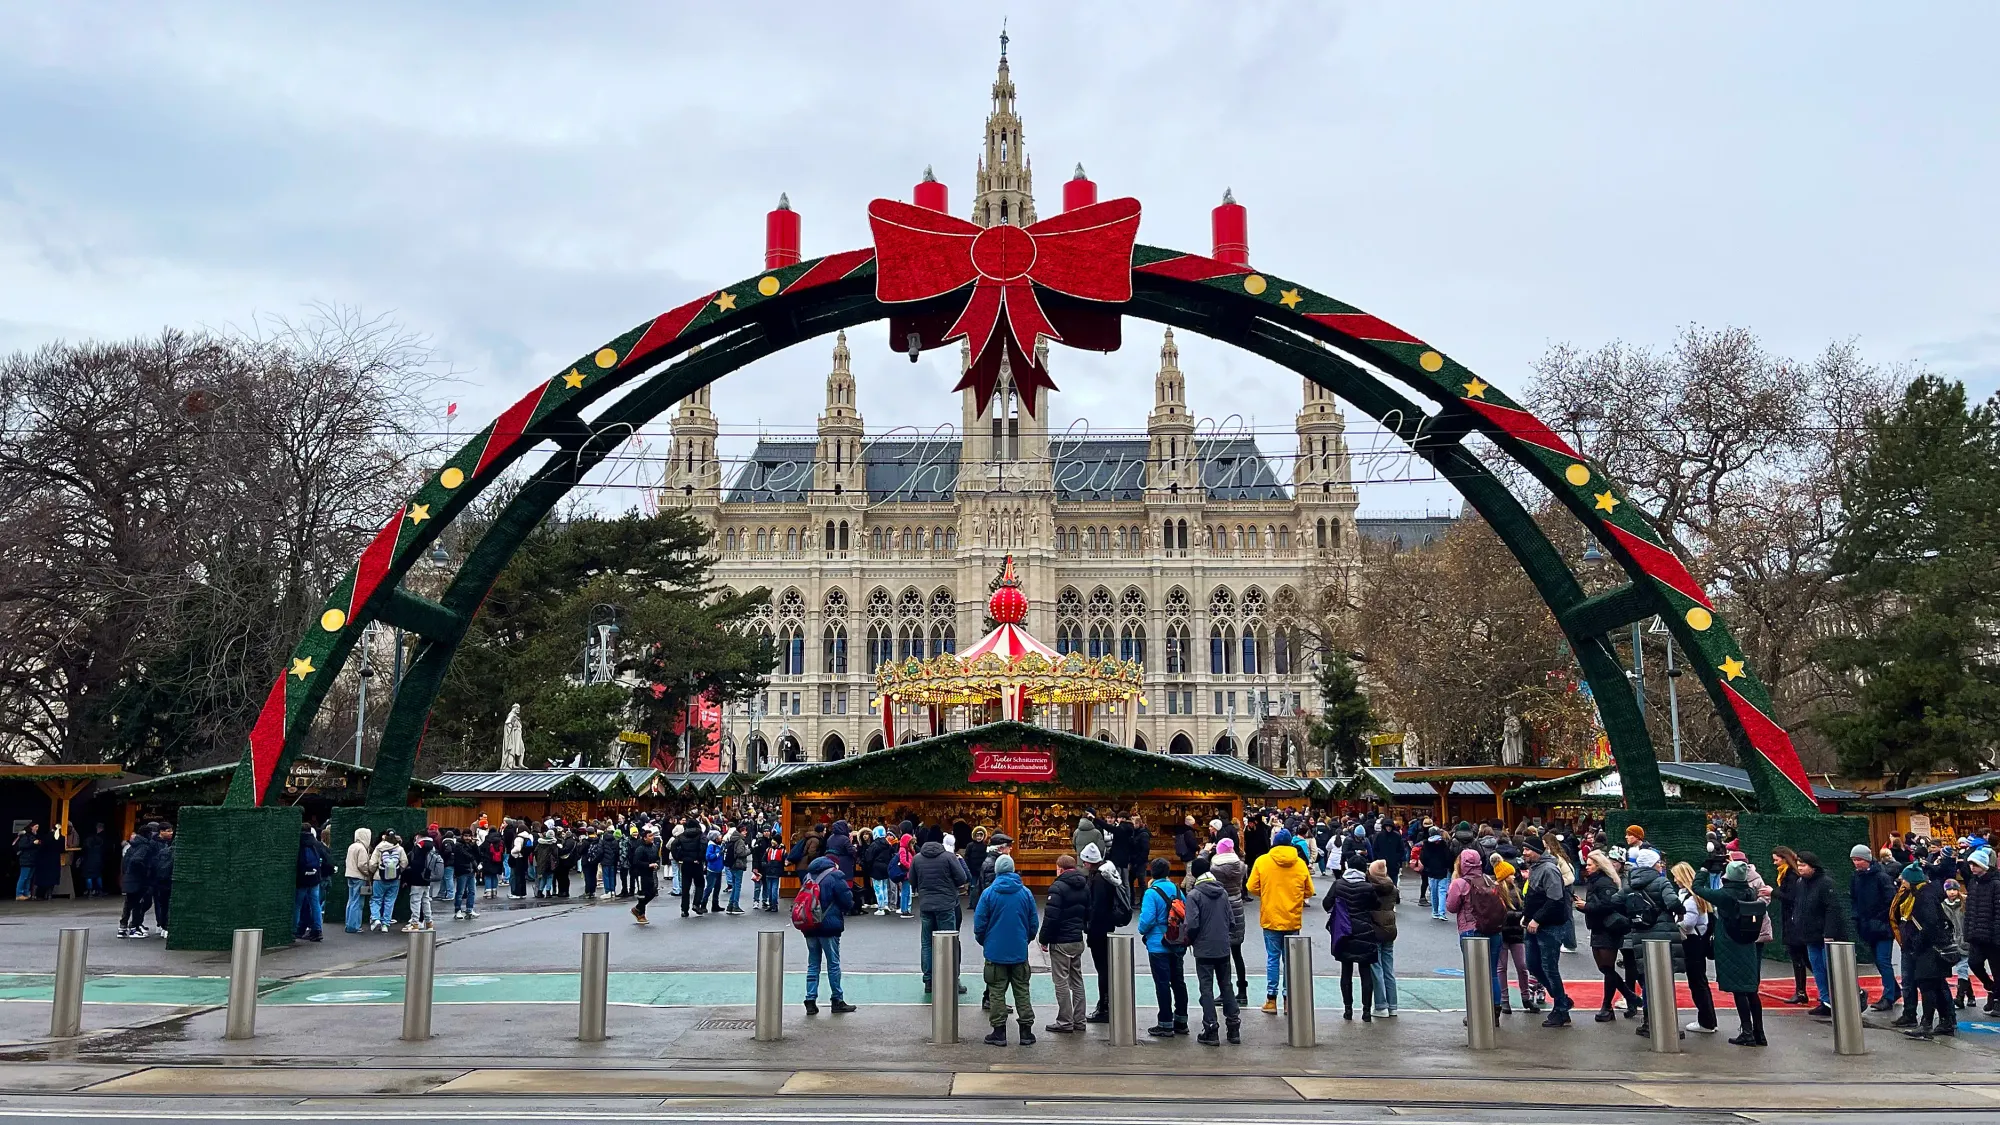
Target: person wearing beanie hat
(1003,924)
(1870,893)
(1814,919)
(1282,882)
(1635,836)
(1929,949)
(1982,923)
(1738,919)
(1229,869)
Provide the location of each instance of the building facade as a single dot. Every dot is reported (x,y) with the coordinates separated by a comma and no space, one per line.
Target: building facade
(1179,549)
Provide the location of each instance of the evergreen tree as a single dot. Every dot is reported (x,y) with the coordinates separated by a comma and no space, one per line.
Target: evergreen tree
(1345,721)
(1919,555)
(678,639)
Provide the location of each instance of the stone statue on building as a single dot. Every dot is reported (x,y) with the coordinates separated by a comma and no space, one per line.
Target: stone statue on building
(1513,743)
(1412,757)
(513,747)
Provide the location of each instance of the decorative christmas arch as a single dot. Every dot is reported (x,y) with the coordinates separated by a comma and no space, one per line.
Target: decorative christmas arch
(1069,278)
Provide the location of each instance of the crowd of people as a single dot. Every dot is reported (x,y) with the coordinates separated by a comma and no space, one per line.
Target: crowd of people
(1524,890)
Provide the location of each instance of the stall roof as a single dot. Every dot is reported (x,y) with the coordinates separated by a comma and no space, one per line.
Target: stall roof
(1712,777)
(1382,780)
(927,762)
(1937,790)
(1272,783)
(190,779)
(538,782)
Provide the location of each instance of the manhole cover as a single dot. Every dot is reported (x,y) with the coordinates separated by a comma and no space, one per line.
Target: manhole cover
(726,1025)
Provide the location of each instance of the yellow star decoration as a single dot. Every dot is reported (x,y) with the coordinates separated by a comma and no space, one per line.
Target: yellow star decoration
(1476,388)
(1289,298)
(303,667)
(726,302)
(1606,502)
(1730,668)
(574,379)
(419,513)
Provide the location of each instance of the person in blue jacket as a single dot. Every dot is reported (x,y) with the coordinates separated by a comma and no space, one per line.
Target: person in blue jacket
(1003,923)
(1169,961)
(823,939)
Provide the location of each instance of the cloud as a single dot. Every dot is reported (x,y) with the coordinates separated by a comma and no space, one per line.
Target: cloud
(521,182)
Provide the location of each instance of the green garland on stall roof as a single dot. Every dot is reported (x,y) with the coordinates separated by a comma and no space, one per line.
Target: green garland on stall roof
(943,763)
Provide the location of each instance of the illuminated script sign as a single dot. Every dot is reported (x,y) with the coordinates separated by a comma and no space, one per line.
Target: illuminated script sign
(1013,765)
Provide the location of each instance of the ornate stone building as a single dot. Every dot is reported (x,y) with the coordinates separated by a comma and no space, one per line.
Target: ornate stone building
(1182,550)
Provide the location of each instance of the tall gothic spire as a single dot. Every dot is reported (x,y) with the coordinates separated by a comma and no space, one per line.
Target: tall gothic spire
(1003,188)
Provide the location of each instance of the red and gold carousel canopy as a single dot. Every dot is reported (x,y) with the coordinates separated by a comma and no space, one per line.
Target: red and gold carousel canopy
(1008,665)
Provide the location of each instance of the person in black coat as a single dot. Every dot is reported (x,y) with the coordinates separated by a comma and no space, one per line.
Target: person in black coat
(646,871)
(1138,853)
(135,877)
(90,863)
(1390,847)
(1604,916)
(1437,860)
(1062,938)
(314,866)
(1350,905)
(689,852)
(1982,923)
(1870,892)
(1929,949)
(162,877)
(1110,907)
(1814,920)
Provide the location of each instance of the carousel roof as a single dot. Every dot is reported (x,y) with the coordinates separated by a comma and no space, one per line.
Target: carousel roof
(1008,663)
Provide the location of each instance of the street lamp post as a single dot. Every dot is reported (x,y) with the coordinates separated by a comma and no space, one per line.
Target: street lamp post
(361,694)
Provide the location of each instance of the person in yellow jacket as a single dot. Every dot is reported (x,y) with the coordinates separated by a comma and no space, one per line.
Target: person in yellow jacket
(1282,883)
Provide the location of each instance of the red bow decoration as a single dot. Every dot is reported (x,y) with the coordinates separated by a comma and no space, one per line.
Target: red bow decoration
(1085,253)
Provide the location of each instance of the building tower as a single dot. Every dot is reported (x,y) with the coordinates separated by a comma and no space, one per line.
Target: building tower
(694,473)
(1004,187)
(1171,475)
(837,474)
(1005,440)
(1322,477)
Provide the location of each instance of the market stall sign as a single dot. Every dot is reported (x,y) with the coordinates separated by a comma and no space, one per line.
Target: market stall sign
(1013,765)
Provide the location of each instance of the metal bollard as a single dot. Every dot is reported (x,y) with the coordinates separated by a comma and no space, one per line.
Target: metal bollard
(594,990)
(1475,954)
(1300,1030)
(944,993)
(1845,981)
(770,986)
(1121,1003)
(72,959)
(1663,1013)
(246,950)
(419,973)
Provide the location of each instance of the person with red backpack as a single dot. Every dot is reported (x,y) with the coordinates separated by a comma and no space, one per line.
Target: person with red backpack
(1474,899)
(1163,923)
(819,911)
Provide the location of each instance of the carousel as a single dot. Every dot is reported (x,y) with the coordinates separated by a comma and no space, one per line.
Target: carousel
(1007,676)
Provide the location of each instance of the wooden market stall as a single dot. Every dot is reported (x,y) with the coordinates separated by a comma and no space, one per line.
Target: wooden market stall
(1377,789)
(571,794)
(1443,780)
(1009,776)
(1710,786)
(1941,810)
(318,785)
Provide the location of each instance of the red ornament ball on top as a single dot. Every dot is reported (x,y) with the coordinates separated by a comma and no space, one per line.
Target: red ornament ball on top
(1008,605)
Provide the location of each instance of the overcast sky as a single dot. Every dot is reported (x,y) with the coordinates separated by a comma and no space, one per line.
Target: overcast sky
(519,182)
